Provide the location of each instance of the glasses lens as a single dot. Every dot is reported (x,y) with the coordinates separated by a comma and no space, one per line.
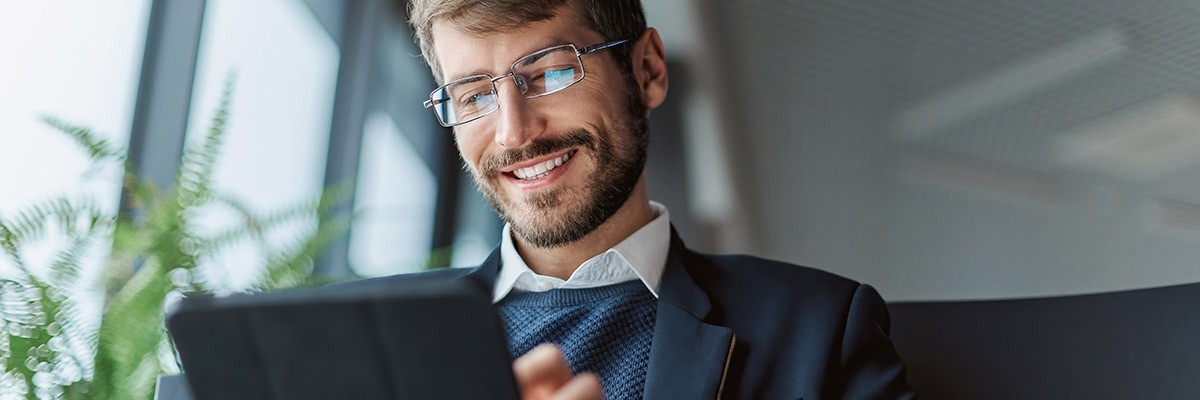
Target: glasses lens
(465,99)
(548,71)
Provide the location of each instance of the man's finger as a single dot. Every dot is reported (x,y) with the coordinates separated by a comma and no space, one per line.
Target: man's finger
(585,386)
(544,366)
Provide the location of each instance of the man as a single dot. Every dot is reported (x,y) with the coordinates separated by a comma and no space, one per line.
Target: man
(549,101)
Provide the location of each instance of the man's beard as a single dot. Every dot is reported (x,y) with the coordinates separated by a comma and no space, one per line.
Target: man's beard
(619,159)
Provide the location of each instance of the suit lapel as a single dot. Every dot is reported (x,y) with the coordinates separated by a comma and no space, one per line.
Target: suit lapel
(485,275)
(688,357)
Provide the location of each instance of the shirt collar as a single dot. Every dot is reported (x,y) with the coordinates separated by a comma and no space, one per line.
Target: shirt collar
(640,256)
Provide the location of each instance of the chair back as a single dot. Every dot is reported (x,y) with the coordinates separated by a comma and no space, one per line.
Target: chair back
(1139,344)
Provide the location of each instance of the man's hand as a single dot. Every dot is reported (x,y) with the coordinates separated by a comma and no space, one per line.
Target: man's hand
(542,374)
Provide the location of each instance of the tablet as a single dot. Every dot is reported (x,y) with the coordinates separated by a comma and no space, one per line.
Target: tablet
(440,340)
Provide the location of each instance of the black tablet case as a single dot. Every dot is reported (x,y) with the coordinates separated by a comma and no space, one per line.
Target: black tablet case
(426,341)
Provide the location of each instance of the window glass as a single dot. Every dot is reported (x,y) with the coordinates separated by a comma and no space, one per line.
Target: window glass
(394,207)
(78,61)
(274,150)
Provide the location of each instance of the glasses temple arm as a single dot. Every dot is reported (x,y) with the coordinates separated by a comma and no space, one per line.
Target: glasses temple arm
(601,46)
(433,102)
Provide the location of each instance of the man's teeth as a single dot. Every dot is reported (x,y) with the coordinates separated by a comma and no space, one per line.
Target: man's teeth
(541,169)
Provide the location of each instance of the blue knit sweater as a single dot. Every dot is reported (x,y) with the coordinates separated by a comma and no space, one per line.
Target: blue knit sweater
(606,330)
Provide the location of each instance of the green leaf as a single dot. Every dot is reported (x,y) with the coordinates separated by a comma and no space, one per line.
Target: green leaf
(154,256)
(199,158)
(68,216)
(32,318)
(99,149)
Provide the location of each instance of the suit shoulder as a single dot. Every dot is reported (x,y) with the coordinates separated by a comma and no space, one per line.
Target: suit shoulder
(766,276)
(748,292)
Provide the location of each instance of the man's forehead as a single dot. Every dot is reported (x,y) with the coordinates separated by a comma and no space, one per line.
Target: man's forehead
(461,53)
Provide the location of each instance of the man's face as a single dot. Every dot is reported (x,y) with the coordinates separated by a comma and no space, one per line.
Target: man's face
(554,167)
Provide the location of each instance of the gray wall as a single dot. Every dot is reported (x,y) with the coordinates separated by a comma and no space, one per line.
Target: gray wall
(948,149)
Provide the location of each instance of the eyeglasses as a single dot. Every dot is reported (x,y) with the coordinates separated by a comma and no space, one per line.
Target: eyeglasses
(544,72)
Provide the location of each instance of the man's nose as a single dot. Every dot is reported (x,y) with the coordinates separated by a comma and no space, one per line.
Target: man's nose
(517,124)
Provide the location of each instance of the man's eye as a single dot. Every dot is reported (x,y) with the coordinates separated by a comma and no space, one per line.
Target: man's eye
(557,78)
(476,98)
(554,73)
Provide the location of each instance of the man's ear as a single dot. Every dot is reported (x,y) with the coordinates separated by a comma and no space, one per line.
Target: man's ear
(650,68)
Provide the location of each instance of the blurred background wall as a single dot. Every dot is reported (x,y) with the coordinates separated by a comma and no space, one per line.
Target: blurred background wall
(936,149)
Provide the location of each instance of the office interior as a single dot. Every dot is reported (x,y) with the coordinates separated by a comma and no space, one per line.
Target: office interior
(939,150)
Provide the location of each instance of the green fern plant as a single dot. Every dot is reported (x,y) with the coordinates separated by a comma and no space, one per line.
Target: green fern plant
(48,349)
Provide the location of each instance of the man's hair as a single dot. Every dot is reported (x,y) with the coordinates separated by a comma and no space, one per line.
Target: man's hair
(613,19)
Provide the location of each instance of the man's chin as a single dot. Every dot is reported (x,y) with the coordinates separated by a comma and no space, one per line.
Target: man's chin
(547,228)
(542,239)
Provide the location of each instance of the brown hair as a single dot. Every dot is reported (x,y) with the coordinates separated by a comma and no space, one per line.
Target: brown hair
(613,19)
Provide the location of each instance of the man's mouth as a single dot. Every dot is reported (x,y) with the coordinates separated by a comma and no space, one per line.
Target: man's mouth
(541,169)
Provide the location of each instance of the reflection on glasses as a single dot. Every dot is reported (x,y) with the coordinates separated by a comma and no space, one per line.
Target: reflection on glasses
(544,72)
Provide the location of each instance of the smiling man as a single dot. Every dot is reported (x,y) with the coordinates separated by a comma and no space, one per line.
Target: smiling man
(549,101)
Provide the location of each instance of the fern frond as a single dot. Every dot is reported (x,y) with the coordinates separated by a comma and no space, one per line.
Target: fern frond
(333,200)
(80,218)
(130,331)
(299,212)
(9,243)
(14,254)
(98,148)
(74,329)
(40,330)
(153,248)
(30,224)
(32,315)
(247,216)
(131,242)
(65,266)
(226,239)
(294,267)
(199,158)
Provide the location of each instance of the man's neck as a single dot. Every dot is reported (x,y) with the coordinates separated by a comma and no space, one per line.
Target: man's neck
(561,262)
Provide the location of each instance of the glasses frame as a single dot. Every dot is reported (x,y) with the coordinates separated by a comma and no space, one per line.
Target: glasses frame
(512,72)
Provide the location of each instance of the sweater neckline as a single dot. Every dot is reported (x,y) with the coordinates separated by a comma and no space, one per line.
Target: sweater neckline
(570,297)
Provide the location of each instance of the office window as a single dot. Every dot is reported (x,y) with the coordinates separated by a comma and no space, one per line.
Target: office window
(79,61)
(394,207)
(274,150)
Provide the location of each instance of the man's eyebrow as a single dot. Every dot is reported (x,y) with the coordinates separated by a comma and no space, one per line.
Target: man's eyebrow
(555,41)
(469,74)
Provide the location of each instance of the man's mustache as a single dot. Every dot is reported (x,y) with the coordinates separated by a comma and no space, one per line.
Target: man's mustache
(491,165)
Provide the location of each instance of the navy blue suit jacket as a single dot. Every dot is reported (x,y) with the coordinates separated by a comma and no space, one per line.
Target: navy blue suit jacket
(749,328)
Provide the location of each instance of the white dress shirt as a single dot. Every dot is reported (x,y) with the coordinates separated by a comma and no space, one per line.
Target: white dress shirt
(642,256)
